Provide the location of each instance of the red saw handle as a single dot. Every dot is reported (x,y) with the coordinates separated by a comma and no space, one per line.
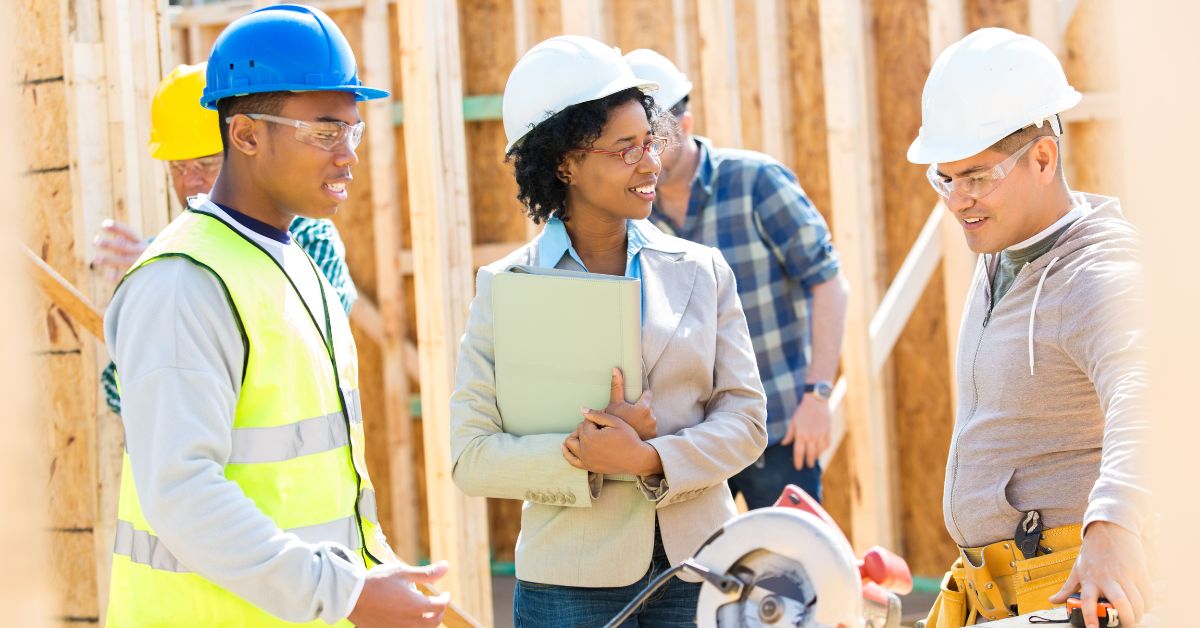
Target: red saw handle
(878,565)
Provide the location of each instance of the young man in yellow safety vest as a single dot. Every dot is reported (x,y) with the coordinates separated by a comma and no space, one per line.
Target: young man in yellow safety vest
(1045,489)
(245,498)
(188,138)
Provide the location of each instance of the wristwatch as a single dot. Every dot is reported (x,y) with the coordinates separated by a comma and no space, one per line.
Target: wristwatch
(821,390)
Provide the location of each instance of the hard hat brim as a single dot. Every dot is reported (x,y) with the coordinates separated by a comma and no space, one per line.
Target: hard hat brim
(924,150)
(209,101)
(618,85)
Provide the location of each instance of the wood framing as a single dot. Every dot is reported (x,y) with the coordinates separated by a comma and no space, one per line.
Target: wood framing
(722,121)
(585,17)
(773,78)
(376,69)
(853,181)
(948,24)
(440,215)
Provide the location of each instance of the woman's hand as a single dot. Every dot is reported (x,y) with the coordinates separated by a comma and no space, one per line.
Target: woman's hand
(604,443)
(639,416)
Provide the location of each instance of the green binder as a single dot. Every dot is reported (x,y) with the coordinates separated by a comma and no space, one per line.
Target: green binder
(558,334)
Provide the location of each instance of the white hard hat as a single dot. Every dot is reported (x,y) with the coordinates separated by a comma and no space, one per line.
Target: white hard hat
(560,72)
(673,85)
(984,87)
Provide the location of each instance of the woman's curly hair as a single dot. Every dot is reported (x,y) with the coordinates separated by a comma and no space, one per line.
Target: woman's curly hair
(537,157)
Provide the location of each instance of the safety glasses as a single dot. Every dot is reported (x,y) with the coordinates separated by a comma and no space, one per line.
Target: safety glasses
(633,154)
(980,184)
(326,135)
(204,167)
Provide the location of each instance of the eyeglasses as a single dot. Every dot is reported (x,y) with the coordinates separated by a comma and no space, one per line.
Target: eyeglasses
(204,167)
(326,135)
(633,154)
(980,184)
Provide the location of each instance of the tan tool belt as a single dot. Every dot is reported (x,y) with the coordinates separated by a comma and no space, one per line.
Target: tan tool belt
(996,581)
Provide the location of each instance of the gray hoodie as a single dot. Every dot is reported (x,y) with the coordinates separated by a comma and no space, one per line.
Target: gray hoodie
(1051,383)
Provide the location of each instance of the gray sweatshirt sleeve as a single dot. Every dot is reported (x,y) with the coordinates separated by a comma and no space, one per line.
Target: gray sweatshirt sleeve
(179,355)
(1110,348)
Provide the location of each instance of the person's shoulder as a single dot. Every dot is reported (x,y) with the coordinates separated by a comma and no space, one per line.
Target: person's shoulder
(686,250)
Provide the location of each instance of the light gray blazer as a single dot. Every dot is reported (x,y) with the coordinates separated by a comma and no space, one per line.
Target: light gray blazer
(711,411)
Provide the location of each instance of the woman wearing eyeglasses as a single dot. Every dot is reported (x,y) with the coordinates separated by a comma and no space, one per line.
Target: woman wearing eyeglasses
(637,487)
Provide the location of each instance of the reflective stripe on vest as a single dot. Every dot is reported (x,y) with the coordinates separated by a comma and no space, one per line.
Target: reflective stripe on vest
(297,443)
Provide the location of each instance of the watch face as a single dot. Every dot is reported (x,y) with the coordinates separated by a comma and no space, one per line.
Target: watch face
(823,390)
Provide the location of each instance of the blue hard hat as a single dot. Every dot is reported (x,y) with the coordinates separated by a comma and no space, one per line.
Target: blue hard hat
(282,48)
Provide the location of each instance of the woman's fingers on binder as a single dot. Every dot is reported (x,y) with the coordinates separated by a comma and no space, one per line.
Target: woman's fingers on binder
(616,394)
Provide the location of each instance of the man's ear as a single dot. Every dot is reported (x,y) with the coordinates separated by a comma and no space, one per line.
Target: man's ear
(686,122)
(1045,155)
(244,136)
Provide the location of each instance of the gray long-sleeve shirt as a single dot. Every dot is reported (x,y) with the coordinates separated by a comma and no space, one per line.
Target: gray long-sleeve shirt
(176,344)
(1051,382)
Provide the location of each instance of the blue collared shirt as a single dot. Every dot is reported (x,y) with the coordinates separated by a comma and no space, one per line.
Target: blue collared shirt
(753,210)
(556,244)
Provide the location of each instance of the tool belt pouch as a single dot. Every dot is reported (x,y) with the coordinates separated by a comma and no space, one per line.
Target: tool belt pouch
(950,609)
(1037,578)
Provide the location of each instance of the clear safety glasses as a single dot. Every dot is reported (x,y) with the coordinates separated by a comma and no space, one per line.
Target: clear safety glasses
(633,154)
(979,184)
(204,167)
(326,135)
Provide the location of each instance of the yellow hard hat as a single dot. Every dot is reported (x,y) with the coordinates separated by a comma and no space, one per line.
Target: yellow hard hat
(179,127)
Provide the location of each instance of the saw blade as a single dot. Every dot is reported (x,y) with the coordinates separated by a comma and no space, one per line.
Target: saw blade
(778,592)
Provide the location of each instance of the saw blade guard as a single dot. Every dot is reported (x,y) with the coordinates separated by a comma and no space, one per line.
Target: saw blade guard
(796,571)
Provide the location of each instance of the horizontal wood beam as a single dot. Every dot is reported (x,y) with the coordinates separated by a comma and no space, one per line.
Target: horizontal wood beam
(365,315)
(905,292)
(1099,105)
(64,295)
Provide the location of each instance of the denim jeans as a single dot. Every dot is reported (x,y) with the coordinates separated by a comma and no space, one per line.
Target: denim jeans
(550,606)
(762,482)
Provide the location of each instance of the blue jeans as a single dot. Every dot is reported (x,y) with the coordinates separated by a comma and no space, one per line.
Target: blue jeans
(762,482)
(538,605)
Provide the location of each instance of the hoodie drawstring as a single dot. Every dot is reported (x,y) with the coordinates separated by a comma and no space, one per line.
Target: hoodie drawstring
(1033,311)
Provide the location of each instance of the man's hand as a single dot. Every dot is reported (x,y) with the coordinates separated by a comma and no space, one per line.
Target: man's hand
(809,428)
(603,443)
(119,247)
(389,598)
(1111,564)
(639,416)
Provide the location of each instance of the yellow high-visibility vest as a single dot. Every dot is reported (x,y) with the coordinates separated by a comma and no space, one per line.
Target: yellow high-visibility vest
(298,443)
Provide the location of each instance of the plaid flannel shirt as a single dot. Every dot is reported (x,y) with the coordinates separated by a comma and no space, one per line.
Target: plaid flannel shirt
(318,238)
(753,210)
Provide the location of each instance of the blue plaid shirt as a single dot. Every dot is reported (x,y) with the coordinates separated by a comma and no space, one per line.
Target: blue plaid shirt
(318,238)
(753,210)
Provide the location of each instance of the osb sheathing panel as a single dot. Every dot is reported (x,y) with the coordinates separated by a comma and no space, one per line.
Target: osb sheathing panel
(1092,148)
(51,236)
(69,415)
(489,52)
(44,130)
(811,162)
(74,576)
(920,365)
(38,39)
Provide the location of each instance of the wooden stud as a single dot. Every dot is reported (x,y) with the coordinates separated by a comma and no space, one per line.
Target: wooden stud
(381,143)
(585,17)
(948,24)
(906,290)
(773,79)
(440,217)
(853,183)
(722,122)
